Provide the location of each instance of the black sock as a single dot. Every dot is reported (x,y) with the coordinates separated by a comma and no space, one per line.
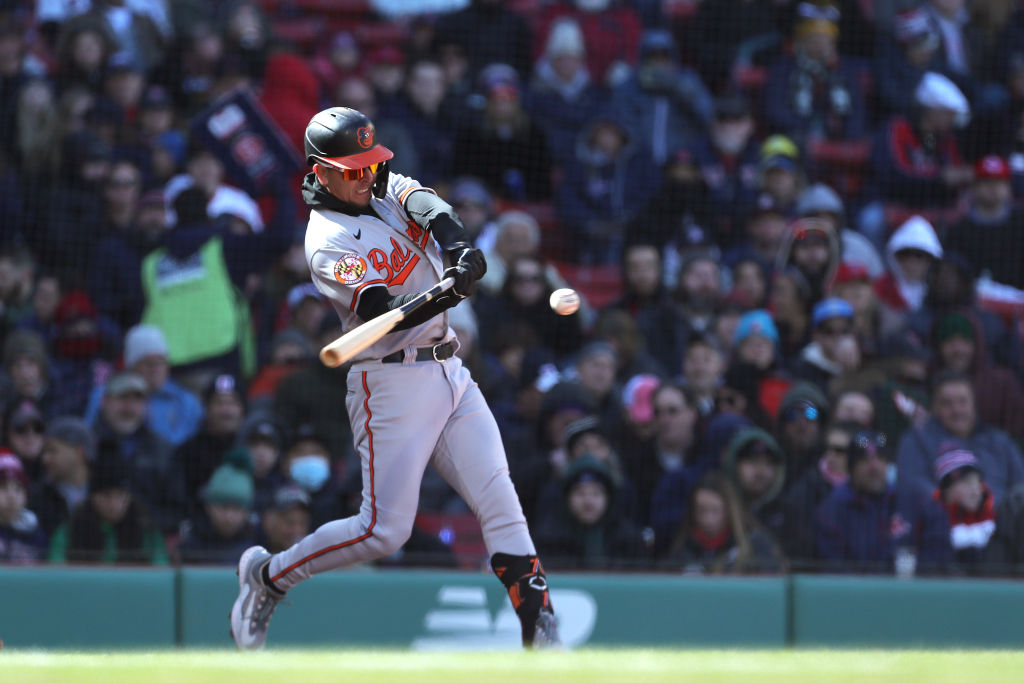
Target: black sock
(527,586)
(265,575)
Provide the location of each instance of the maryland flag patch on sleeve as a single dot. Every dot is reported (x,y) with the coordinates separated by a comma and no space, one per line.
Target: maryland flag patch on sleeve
(350,269)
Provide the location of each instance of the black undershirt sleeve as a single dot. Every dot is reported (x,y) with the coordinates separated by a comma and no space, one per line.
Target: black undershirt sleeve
(375,301)
(434,214)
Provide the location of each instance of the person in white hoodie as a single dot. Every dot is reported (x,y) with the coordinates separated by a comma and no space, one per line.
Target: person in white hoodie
(910,253)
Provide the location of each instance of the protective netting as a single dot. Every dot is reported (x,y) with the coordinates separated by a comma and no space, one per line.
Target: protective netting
(796,227)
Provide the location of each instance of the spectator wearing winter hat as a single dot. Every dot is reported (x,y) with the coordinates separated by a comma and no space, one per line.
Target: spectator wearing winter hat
(23,430)
(757,468)
(903,56)
(833,351)
(586,530)
(667,102)
(814,93)
(959,347)
(22,540)
(756,364)
(813,248)
(222,527)
(28,371)
(910,253)
(195,460)
(822,202)
(70,447)
(954,421)
(588,437)
(862,524)
(780,172)
(305,310)
(765,229)
(286,520)
(638,406)
(811,488)
(172,412)
(969,503)
(563,93)
(991,235)
(111,526)
(505,147)
(122,424)
(80,360)
(873,319)
(800,426)
(262,436)
(916,161)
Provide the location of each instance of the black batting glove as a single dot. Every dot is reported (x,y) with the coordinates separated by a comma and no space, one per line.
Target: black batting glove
(462,255)
(465,282)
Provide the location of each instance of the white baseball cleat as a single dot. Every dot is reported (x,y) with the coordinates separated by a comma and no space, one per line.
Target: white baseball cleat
(545,633)
(250,615)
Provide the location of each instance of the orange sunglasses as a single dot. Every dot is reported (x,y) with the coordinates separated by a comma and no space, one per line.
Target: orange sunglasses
(354,173)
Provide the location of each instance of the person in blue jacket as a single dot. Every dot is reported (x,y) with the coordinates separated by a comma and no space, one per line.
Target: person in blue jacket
(867,524)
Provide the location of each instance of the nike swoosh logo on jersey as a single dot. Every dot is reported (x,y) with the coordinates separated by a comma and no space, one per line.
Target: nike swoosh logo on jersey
(359,233)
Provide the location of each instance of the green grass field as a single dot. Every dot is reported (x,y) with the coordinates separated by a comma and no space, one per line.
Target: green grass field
(620,666)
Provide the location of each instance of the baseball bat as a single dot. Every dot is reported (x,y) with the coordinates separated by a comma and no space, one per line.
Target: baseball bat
(355,340)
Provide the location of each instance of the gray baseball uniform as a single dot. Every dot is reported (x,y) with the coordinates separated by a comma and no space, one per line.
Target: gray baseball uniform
(403,415)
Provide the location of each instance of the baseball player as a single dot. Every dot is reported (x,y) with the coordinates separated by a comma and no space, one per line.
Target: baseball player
(374,240)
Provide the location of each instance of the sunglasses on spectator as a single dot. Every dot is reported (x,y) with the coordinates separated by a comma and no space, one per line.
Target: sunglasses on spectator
(529,278)
(728,399)
(28,427)
(804,410)
(667,410)
(842,450)
(834,330)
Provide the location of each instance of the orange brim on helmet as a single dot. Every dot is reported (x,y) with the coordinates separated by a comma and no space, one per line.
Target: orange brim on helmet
(354,161)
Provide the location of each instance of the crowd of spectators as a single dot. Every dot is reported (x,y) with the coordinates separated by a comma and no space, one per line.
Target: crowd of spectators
(807,356)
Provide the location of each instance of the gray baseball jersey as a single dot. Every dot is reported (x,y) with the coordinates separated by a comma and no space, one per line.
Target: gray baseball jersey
(347,254)
(406,415)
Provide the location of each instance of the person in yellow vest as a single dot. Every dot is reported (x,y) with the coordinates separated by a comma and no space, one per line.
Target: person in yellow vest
(194,286)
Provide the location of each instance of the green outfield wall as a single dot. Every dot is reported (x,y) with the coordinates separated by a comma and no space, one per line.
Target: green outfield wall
(57,607)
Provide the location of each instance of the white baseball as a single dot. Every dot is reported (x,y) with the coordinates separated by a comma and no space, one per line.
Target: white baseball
(564,301)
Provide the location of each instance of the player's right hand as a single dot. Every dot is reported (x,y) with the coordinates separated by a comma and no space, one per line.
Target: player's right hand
(465,279)
(462,254)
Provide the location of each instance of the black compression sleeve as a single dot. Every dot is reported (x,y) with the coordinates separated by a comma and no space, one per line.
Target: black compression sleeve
(437,216)
(376,301)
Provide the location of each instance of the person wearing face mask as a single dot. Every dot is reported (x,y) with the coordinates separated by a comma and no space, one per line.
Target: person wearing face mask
(307,463)
(728,160)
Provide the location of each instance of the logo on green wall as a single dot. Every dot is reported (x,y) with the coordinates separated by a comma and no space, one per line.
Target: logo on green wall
(463,620)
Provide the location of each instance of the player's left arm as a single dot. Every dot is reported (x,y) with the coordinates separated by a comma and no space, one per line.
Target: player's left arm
(463,262)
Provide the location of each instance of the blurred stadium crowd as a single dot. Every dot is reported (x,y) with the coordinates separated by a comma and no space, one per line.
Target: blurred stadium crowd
(797,228)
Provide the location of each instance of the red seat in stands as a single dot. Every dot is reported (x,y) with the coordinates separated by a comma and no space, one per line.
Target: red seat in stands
(460,532)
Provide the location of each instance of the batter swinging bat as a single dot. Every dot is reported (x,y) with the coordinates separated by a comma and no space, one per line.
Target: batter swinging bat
(352,342)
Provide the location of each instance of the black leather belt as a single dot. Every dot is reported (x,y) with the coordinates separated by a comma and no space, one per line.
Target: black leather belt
(438,352)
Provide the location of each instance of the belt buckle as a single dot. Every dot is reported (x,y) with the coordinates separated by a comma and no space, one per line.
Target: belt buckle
(433,352)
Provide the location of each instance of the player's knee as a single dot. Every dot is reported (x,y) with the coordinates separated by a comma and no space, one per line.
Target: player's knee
(392,535)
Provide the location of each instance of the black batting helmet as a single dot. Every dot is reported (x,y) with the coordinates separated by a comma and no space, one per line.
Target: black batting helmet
(343,138)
